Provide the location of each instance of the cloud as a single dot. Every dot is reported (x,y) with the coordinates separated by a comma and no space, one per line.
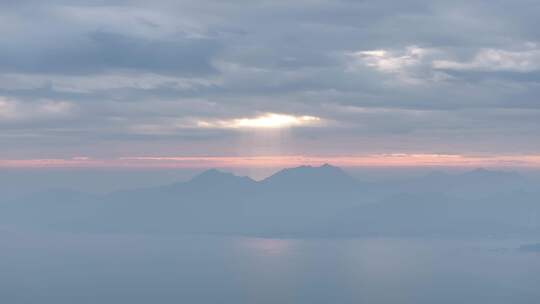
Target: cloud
(190,76)
(409,66)
(272,161)
(102,51)
(16,111)
(389,61)
(104,81)
(264,121)
(492,60)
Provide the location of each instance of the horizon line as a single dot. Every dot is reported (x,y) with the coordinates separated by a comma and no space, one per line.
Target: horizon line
(369,160)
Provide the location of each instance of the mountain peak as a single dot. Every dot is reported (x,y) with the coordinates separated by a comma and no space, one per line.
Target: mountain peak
(215,175)
(214,172)
(311,175)
(308,169)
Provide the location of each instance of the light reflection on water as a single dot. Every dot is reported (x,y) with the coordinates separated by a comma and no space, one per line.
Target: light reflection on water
(266,246)
(76,268)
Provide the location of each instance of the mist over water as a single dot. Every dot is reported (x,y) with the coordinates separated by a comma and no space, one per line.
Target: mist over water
(79,268)
(302,235)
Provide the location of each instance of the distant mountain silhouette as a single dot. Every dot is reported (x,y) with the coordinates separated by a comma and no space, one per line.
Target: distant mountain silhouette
(305,200)
(326,176)
(215,177)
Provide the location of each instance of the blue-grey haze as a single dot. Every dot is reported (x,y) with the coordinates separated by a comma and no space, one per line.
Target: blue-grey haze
(53,268)
(301,235)
(303,201)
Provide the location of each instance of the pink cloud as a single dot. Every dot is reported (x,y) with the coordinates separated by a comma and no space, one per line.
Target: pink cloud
(374,160)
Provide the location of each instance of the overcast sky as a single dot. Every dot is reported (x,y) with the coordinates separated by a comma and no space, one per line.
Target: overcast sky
(111,79)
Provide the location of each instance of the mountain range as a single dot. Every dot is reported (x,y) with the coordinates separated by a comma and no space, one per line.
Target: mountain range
(301,201)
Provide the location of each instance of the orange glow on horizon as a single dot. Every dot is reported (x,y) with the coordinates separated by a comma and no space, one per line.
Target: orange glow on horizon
(373,160)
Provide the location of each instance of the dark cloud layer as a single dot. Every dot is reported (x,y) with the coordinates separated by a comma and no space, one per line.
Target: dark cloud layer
(111,78)
(101,51)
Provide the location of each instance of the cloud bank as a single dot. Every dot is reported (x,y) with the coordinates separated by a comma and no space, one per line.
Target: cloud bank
(194,78)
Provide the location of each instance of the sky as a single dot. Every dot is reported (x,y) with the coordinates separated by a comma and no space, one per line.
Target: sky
(267,83)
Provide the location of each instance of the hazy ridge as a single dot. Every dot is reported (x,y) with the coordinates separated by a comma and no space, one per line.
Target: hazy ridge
(301,201)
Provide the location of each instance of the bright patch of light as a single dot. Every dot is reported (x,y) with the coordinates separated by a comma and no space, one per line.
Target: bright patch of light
(265,121)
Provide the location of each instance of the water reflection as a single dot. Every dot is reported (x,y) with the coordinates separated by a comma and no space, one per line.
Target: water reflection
(267,247)
(64,269)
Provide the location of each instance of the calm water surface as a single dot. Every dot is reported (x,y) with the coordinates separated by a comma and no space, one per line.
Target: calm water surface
(75,268)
